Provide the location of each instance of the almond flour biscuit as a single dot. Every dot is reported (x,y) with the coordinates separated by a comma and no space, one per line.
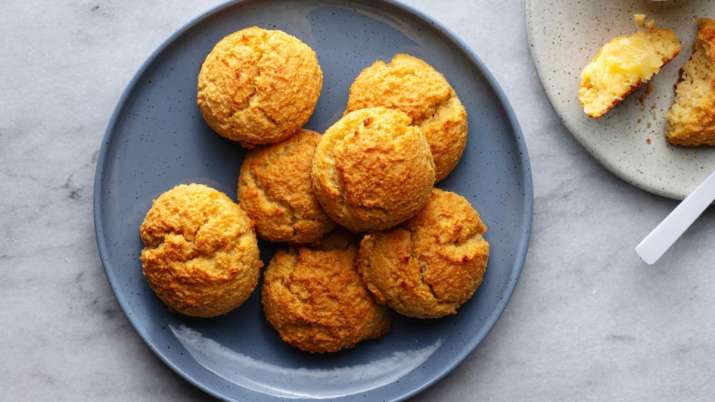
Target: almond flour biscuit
(274,189)
(314,298)
(372,170)
(259,86)
(624,64)
(431,265)
(691,119)
(416,88)
(200,252)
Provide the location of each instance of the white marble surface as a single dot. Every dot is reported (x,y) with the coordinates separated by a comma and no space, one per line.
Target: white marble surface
(588,320)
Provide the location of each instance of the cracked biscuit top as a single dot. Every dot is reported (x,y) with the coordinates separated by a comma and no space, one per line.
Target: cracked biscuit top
(416,88)
(200,252)
(372,169)
(274,189)
(431,265)
(314,298)
(259,86)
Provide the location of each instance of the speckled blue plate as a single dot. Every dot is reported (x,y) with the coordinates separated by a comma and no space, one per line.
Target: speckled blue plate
(157,139)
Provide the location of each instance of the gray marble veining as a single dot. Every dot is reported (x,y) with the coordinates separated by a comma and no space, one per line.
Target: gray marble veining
(588,320)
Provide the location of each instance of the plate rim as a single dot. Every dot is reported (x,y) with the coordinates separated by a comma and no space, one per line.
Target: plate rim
(601,159)
(525,172)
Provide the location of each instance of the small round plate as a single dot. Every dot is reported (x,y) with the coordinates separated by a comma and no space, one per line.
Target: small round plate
(630,140)
(157,139)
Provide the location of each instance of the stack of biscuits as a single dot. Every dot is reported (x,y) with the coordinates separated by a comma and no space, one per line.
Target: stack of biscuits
(366,231)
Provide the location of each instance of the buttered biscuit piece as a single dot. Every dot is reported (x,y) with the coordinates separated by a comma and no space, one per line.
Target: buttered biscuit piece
(372,170)
(409,84)
(432,264)
(274,189)
(624,64)
(200,252)
(259,86)
(691,119)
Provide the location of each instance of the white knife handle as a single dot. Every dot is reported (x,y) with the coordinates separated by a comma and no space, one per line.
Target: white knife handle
(677,222)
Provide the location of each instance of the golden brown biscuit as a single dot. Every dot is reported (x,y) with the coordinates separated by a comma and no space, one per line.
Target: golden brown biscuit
(200,252)
(431,265)
(372,170)
(259,86)
(275,190)
(316,301)
(691,118)
(413,86)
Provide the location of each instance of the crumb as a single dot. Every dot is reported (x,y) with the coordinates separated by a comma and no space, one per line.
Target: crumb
(643,22)
(646,93)
(639,19)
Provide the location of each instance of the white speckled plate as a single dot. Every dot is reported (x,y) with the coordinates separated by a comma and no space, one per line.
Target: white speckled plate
(629,141)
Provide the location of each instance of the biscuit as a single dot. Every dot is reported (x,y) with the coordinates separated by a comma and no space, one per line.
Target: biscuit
(200,252)
(431,265)
(315,300)
(624,64)
(416,88)
(691,118)
(372,170)
(259,86)
(274,189)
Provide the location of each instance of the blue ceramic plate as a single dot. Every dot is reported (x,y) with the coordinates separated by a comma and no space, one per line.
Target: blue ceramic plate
(157,139)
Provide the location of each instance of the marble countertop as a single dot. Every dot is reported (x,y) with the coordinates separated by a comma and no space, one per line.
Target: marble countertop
(588,320)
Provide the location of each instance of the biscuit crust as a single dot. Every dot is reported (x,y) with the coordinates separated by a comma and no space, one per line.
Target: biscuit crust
(409,84)
(200,251)
(431,265)
(316,301)
(372,170)
(259,86)
(274,189)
